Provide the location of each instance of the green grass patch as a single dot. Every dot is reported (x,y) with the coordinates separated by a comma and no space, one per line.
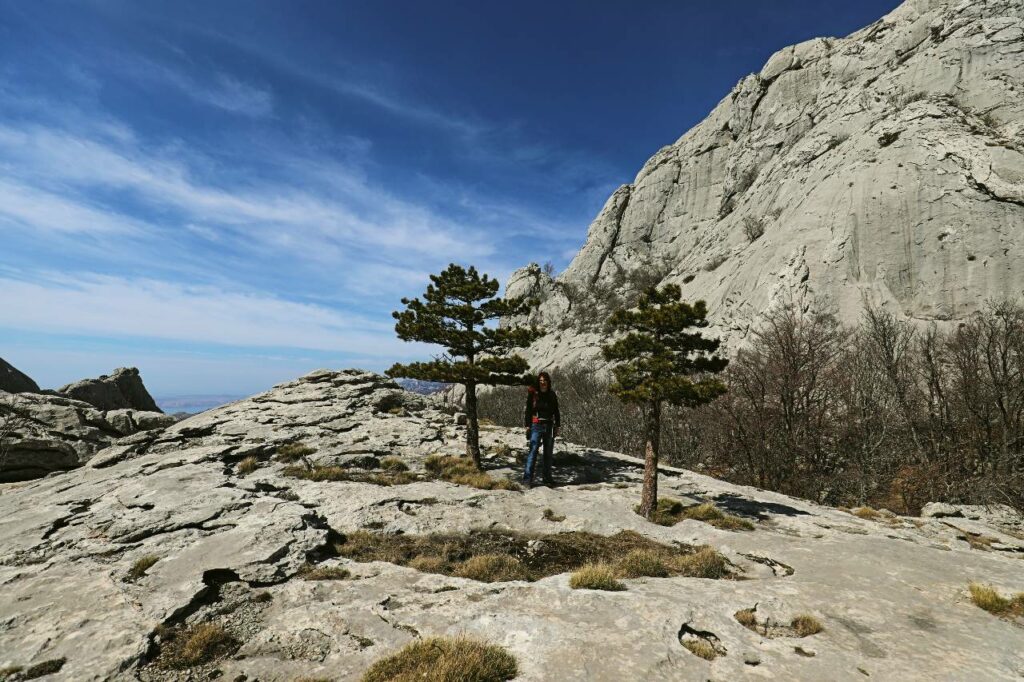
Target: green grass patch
(445,659)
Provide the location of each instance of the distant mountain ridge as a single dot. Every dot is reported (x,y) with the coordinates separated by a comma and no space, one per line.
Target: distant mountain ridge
(884,168)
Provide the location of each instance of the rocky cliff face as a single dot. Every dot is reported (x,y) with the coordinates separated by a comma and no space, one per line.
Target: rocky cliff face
(105,566)
(118,391)
(885,168)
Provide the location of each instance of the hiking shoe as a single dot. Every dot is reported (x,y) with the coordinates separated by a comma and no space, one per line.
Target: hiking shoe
(549,482)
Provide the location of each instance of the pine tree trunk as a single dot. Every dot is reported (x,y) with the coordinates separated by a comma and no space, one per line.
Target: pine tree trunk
(472,426)
(652,429)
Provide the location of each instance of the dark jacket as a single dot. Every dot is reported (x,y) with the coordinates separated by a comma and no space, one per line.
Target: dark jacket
(544,406)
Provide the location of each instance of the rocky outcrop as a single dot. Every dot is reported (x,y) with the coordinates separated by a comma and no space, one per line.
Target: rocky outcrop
(121,390)
(884,168)
(41,433)
(14,381)
(207,508)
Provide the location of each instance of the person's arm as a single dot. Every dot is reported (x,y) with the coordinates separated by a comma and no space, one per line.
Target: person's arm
(527,416)
(557,416)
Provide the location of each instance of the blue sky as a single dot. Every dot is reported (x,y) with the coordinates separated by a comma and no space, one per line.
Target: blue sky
(229,194)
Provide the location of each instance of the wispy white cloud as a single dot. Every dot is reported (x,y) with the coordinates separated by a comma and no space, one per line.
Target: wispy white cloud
(91,304)
(348,215)
(41,210)
(216,89)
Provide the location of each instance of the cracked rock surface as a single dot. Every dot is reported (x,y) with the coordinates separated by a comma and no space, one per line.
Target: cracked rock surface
(227,548)
(885,167)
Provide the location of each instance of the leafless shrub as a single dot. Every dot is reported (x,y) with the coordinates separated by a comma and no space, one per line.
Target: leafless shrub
(753,228)
(883,415)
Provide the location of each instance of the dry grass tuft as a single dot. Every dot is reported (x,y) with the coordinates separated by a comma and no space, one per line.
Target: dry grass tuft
(669,512)
(311,572)
(291,452)
(704,563)
(197,645)
(445,659)
(987,598)
(747,618)
(550,515)
(340,474)
(492,568)
(596,577)
(141,565)
(641,563)
(866,513)
(248,465)
(806,625)
(539,556)
(701,649)
(393,464)
(461,471)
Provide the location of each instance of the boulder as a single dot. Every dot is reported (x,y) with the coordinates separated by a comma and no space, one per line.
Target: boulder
(121,390)
(14,381)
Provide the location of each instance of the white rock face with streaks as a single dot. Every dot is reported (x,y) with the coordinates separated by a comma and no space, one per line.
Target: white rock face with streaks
(886,167)
(890,593)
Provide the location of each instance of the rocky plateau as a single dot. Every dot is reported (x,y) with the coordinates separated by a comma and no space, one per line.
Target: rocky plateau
(228,534)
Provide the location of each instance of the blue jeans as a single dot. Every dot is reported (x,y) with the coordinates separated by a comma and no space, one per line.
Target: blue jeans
(541,433)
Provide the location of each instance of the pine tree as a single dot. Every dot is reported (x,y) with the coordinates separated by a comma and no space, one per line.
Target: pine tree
(657,361)
(454,313)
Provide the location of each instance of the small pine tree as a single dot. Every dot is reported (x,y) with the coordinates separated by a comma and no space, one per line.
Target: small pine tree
(454,313)
(657,360)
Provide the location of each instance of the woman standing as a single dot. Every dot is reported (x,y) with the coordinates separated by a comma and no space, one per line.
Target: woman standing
(542,423)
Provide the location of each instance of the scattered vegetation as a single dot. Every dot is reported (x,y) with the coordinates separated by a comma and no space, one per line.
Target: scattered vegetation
(669,512)
(701,648)
(393,465)
(313,572)
(803,625)
(491,556)
(140,566)
(866,513)
(886,414)
(202,643)
(596,577)
(462,471)
(341,474)
(263,597)
(248,465)
(806,625)
(292,452)
(550,515)
(491,568)
(753,228)
(445,659)
(987,598)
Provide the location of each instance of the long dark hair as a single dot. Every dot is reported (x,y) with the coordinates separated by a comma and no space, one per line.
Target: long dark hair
(545,375)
